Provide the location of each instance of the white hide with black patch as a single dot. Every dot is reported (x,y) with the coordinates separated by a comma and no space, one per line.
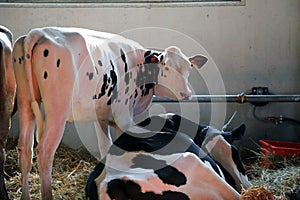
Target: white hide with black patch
(162,164)
(85,75)
(181,176)
(215,143)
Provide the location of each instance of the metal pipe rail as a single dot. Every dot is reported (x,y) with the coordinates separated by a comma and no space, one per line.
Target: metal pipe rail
(239,98)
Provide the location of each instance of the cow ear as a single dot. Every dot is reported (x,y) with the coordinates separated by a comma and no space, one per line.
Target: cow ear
(238,132)
(198,61)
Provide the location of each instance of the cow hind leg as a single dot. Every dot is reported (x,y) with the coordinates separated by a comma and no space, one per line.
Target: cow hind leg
(46,149)
(26,117)
(25,146)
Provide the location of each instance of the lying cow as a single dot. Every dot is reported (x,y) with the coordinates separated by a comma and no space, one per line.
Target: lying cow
(219,145)
(7,95)
(156,165)
(82,74)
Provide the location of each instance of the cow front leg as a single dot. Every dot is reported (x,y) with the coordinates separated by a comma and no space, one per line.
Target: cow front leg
(47,147)
(104,137)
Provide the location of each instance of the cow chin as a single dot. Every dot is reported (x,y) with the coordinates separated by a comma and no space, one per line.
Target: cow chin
(162,91)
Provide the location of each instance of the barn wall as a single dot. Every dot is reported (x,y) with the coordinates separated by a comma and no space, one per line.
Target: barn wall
(256,44)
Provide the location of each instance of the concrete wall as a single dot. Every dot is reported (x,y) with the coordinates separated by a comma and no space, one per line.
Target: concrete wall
(255,43)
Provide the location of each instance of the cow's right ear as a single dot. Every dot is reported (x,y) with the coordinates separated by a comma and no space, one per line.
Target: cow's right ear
(198,61)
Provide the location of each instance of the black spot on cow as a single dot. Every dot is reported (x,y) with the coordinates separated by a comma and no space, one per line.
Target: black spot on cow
(20,61)
(15,60)
(161,58)
(112,65)
(57,62)
(113,83)
(126,90)
(168,174)
(109,102)
(27,56)
(135,93)
(126,78)
(124,59)
(147,53)
(127,189)
(100,63)
(90,75)
(94,97)
(126,101)
(45,75)
(112,92)
(103,87)
(171,175)
(46,53)
(97,72)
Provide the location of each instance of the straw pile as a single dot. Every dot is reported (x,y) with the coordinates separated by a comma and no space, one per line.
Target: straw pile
(70,171)
(71,168)
(281,181)
(257,193)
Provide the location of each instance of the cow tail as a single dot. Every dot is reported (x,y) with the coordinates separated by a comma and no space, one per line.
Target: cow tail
(39,119)
(30,42)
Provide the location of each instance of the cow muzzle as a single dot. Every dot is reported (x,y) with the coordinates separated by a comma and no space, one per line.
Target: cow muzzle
(185,96)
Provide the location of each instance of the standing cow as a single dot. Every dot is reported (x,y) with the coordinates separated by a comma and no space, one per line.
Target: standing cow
(7,95)
(82,74)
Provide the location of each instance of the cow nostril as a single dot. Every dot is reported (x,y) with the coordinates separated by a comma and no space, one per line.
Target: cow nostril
(185,96)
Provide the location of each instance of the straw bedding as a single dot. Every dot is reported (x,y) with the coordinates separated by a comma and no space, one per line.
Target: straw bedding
(70,171)
(71,168)
(280,181)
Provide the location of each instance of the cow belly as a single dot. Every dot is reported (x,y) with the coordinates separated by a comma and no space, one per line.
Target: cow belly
(90,111)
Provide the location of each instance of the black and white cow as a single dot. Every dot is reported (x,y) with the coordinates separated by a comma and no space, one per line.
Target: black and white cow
(85,75)
(219,145)
(169,155)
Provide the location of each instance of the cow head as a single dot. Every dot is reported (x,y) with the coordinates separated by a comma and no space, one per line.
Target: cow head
(174,69)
